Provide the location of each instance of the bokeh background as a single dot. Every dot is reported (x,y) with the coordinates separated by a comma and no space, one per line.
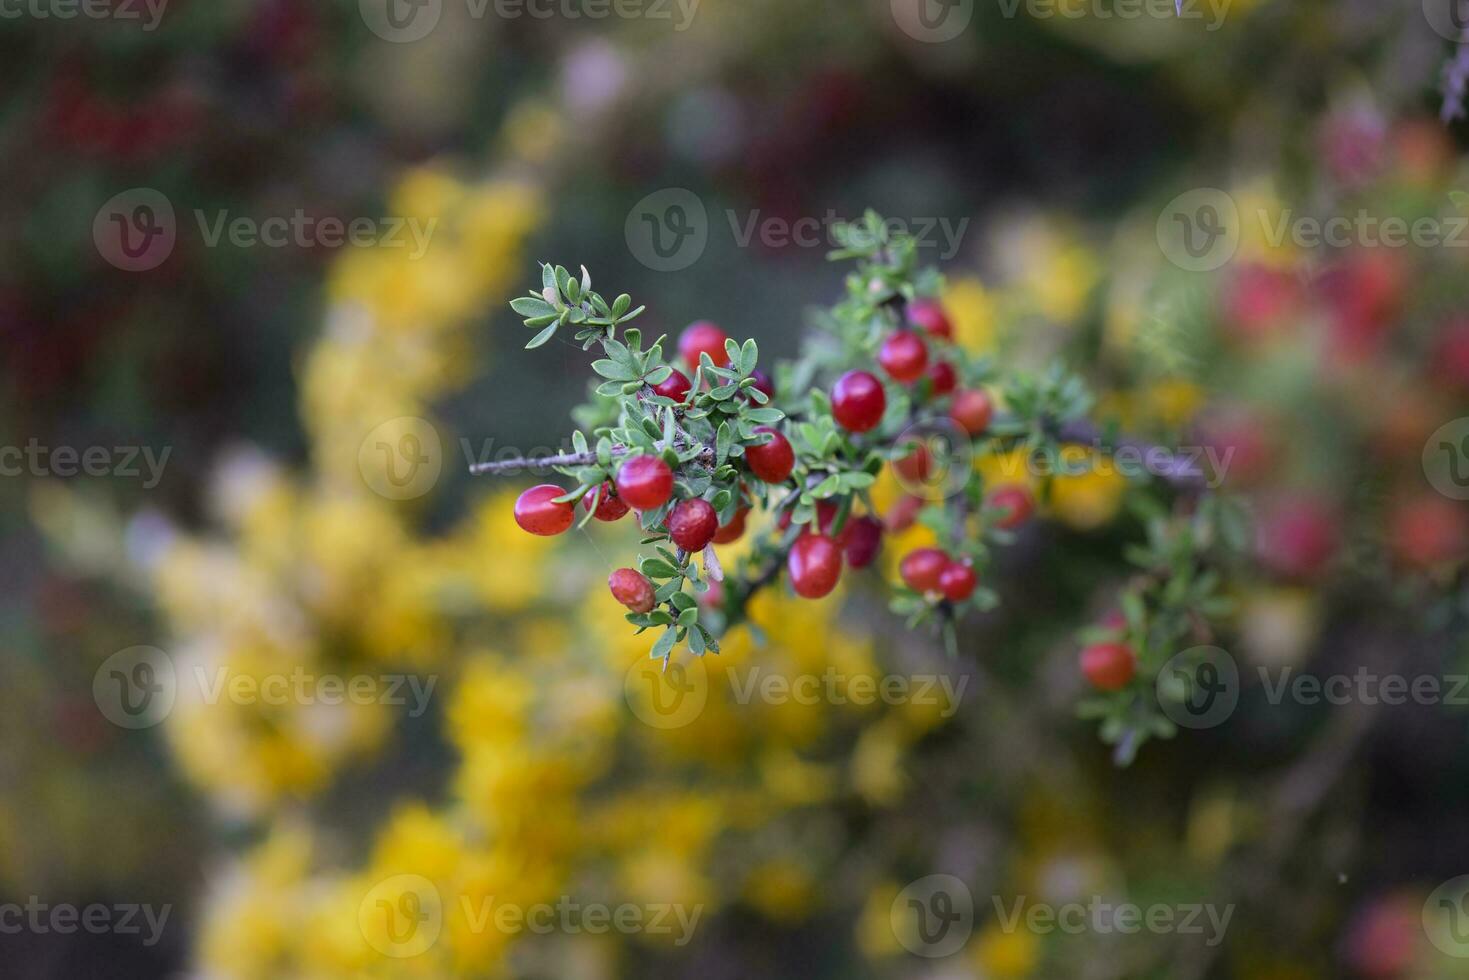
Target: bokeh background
(1044,147)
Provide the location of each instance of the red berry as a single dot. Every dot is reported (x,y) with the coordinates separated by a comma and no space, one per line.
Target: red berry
(734,529)
(763,383)
(773,461)
(1296,537)
(693,524)
(703,337)
(971,411)
(632,589)
(610,507)
(1109,666)
(904,512)
(958,580)
(537,511)
(903,356)
(815,564)
(916,466)
(644,482)
(1015,501)
(943,377)
(1428,531)
(858,401)
(930,316)
(922,568)
(675,386)
(864,541)
(714,598)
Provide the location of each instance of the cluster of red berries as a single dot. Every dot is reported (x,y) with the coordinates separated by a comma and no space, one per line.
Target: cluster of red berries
(932,570)
(815,560)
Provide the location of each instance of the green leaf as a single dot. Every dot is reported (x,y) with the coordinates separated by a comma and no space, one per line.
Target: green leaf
(657,568)
(542,337)
(664,646)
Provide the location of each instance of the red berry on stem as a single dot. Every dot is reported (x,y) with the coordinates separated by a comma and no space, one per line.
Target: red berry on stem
(610,507)
(1015,500)
(537,511)
(815,564)
(773,461)
(675,386)
(693,524)
(703,337)
(943,377)
(958,580)
(1108,666)
(734,529)
(903,356)
(922,568)
(972,410)
(858,401)
(864,541)
(644,482)
(928,315)
(632,589)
